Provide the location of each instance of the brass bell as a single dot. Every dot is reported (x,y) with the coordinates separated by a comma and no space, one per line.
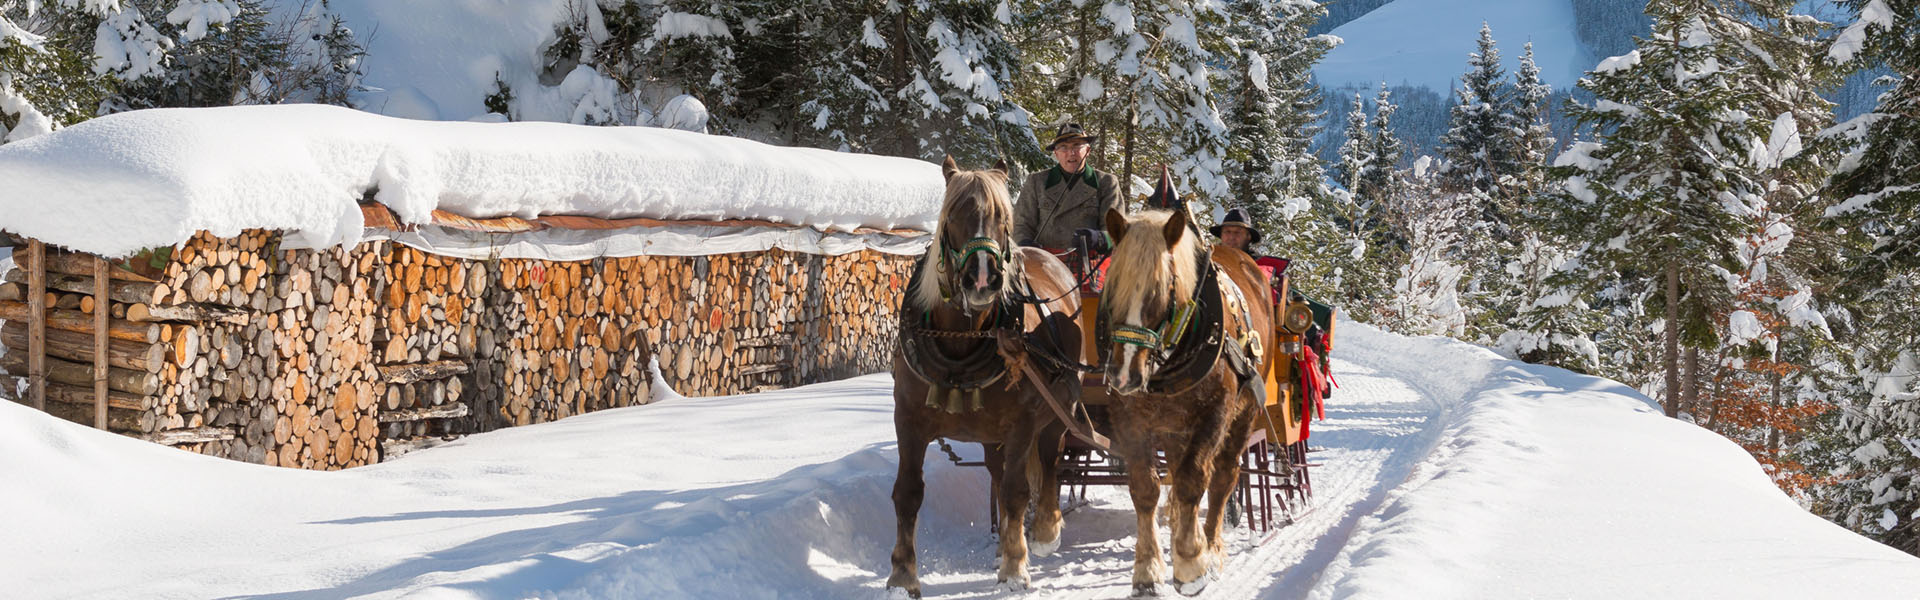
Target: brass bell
(953,402)
(978,401)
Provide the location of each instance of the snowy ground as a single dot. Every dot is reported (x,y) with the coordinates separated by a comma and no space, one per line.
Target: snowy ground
(1445,472)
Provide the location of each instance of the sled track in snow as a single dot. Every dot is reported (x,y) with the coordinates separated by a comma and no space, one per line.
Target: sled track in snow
(1379,426)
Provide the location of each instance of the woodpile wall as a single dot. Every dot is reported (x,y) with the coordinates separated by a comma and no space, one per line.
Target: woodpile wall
(334,358)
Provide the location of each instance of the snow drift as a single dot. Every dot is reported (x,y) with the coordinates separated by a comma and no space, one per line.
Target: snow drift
(1445,472)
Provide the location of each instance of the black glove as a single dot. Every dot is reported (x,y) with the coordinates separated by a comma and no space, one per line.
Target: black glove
(1094,241)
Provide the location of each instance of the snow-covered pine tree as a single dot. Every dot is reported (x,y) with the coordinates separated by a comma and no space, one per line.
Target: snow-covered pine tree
(1272,119)
(1355,154)
(43,84)
(942,71)
(1385,148)
(1477,150)
(1537,306)
(224,51)
(1163,54)
(1478,166)
(624,55)
(1366,247)
(1700,119)
(1551,322)
(964,56)
(149,53)
(1063,81)
(1425,298)
(1875,461)
(1533,136)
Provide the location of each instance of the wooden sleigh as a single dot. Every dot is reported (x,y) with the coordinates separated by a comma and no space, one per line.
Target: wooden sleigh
(1276,486)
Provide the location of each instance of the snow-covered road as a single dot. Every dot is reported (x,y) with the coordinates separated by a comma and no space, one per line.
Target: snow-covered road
(1444,472)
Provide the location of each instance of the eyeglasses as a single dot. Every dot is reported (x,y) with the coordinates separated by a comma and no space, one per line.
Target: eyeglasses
(1070,146)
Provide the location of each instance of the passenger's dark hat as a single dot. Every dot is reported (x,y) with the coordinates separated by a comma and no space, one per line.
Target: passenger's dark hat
(1239,216)
(1071,131)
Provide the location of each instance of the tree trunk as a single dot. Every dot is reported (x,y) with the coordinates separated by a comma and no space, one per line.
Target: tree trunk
(1690,381)
(1671,339)
(1773,433)
(1126,166)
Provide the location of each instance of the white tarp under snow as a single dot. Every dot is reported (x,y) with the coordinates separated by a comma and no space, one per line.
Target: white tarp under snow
(120,183)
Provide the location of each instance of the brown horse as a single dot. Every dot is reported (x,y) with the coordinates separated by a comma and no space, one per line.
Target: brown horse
(958,373)
(1185,351)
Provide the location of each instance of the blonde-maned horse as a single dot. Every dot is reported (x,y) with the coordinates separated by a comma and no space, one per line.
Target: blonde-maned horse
(1183,345)
(956,375)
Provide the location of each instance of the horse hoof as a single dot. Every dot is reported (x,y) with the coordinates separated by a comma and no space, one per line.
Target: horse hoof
(903,586)
(1192,587)
(1042,549)
(1016,584)
(1146,590)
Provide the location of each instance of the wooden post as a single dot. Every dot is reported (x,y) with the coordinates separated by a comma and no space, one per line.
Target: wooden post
(100,303)
(37,324)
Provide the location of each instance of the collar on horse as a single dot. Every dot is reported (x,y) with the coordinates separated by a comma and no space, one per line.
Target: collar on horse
(977,366)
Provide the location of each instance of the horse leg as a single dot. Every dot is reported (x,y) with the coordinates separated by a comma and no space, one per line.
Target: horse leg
(1226,474)
(1189,473)
(1044,472)
(1144,485)
(1013,492)
(908,490)
(994,458)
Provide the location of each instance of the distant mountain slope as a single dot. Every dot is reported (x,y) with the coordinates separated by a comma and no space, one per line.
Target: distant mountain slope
(1426,42)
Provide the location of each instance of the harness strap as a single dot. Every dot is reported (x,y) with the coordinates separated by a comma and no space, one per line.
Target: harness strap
(1079,428)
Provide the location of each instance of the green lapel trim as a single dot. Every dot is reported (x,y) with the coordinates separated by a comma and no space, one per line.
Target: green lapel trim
(1055,176)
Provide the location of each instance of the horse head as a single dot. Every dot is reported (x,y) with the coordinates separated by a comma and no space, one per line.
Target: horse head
(972,254)
(1151,280)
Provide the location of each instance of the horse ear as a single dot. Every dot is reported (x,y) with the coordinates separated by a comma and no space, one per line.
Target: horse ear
(948,168)
(1001,166)
(1175,228)
(1116,225)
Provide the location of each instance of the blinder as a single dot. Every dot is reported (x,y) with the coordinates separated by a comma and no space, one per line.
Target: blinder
(1162,339)
(955,259)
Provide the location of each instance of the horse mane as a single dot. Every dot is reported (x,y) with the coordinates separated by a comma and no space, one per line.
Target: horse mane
(1144,250)
(991,186)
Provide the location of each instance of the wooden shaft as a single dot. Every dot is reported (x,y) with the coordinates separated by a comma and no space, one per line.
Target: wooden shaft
(120,291)
(76,321)
(78,347)
(100,369)
(36,326)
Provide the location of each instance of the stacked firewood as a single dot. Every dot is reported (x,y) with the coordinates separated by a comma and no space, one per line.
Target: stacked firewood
(332,358)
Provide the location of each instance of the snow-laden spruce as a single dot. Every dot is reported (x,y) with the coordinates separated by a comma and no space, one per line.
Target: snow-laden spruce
(120,183)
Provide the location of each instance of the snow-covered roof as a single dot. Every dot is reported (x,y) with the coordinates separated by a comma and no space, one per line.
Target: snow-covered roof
(120,183)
